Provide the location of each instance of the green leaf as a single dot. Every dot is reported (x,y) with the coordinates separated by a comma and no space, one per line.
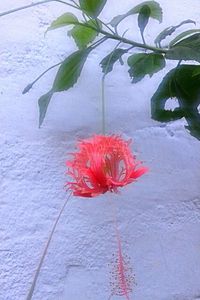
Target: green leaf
(70,70)
(153,6)
(196,72)
(108,62)
(169,31)
(92,7)
(64,20)
(155,9)
(43,103)
(183,35)
(83,35)
(143,18)
(142,64)
(179,83)
(186,49)
(118,19)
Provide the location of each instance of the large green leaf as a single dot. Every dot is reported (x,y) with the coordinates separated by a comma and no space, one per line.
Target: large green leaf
(92,7)
(169,31)
(153,7)
(83,35)
(70,70)
(179,83)
(64,20)
(186,49)
(43,103)
(183,35)
(108,62)
(142,64)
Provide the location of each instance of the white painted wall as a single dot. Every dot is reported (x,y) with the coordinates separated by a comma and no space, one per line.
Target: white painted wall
(159,216)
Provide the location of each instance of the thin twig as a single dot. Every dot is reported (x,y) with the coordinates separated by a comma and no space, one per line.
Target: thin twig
(75,3)
(30,85)
(99,42)
(84,17)
(31,291)
(32,5)
(108,27)
(64,2)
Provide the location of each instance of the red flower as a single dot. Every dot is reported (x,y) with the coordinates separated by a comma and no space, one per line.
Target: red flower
(103,163)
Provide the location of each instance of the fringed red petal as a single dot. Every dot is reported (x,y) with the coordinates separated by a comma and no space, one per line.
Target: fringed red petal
(101,164)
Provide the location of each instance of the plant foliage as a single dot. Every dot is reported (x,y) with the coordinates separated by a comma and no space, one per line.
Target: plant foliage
(89,31)
(142,64)
(183,84)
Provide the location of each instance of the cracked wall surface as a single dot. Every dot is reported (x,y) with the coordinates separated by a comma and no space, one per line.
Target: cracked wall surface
(159,216)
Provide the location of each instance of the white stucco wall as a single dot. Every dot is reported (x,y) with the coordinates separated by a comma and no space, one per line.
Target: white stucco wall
(159,216)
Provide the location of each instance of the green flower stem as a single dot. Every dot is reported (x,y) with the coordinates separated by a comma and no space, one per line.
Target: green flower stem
(103,99)
(103,108)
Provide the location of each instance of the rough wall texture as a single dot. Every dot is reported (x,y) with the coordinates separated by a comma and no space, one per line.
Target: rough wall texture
(159,216)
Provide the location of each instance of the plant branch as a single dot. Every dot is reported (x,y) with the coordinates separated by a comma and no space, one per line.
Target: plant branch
(107,34)
(133,43)
(124,40)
